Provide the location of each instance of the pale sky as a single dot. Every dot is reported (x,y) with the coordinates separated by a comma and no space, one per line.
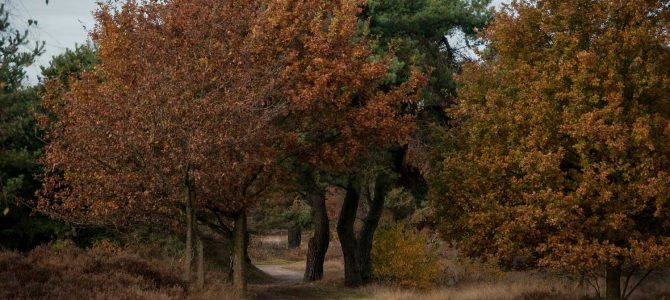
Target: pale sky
(61,24)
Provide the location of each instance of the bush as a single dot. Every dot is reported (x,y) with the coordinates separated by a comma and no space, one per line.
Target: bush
(402,256)
(60,270)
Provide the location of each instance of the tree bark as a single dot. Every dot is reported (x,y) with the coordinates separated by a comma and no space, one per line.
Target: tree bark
(613,285)
(189,233)
(294,237)
(239,253)
(318,244)
(370,223)
(347,236)
(200,261)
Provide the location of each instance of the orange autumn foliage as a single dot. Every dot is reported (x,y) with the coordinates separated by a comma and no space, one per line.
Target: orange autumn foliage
(172,103)
(560,150)
(215,95)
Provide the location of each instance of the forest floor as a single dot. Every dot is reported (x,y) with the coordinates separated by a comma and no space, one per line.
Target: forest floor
(472,281)
(61,270)
(287,267)
(282,273)
(288,284)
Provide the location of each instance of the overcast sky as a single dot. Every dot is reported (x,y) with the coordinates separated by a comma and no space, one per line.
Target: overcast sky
(61,24)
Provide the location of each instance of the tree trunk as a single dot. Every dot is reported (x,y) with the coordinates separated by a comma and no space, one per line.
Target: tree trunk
(294,236)
(613,290)
(239,252)
(200,261)
(318,244)
(365,238)
(347,236)
(189,234)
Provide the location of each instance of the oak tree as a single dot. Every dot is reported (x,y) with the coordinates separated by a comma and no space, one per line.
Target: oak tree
(340,108)
(174,119)
(560,149)
(195,102)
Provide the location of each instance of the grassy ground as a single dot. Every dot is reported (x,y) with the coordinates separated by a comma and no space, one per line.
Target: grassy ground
(463,280)
(513,285)
(63,271)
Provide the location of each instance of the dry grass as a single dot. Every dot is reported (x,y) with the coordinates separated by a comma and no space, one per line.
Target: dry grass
(215,289)
(513,285)
(461,279)
(516,285)
(273,249)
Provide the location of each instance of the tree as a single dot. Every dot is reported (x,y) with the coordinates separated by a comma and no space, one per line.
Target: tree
(421,34)
(428,36)
(339,109)
(417,34)
(560,147)
(196,102)
(20,141)
(71,64)
(298,216)
(174,119)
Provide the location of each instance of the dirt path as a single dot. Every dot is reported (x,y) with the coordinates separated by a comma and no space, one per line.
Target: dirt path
(288,285)
(282,274)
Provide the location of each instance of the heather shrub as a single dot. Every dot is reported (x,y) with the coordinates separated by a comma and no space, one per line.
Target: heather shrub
(62,271)
(402,256)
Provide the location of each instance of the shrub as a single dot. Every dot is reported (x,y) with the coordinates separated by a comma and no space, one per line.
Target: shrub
(62,271)
(106,245)
(402,256)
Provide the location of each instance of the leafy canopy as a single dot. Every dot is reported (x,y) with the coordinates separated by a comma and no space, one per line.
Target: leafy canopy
(561,149)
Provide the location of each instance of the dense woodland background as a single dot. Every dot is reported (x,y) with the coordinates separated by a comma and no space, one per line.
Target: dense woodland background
(432,149)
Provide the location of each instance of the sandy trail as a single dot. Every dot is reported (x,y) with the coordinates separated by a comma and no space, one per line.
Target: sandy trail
(282,274)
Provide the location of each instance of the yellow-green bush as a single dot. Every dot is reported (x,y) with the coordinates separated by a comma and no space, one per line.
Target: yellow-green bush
(106,245)
(402,256)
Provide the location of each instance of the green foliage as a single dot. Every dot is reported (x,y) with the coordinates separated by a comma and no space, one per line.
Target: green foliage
(20,143)
(299,215)
(418,34)
(13,58)
(151,241)
(71,64)
(426,19)
(400,202)
(402,256)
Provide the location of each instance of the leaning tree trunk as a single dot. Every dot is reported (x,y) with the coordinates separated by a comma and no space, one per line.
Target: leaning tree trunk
(239,252)
(318,244)
(613,284)
(347,236)
(294,237)
(366,236)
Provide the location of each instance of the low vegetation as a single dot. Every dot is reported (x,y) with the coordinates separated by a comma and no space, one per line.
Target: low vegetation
(60,270)
(402,256)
